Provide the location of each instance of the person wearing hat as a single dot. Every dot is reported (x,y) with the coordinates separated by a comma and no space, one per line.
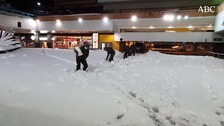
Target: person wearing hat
(81,54)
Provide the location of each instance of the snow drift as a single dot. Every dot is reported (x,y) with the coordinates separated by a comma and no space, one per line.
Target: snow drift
(39,87)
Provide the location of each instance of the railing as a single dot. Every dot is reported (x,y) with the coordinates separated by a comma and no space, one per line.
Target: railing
(218,55)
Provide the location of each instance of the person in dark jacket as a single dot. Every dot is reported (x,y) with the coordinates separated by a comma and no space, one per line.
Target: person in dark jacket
(81,54)
(133,49)
(126,51)
(110,53)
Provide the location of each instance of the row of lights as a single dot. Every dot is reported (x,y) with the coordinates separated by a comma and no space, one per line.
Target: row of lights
(171,17)
(190,26)
(134,18)
(167,17)
(105,19)
(133,27)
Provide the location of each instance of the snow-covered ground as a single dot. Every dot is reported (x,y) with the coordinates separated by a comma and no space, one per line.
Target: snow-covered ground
(39,87)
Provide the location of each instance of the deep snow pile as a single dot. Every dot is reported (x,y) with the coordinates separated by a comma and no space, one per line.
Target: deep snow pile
(38,87)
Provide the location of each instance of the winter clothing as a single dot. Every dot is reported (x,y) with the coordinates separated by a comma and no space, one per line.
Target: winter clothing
(81,54)
(110,52)
(126,52)
(133,49)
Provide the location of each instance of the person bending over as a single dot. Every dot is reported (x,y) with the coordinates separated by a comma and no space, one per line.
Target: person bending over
(110,53)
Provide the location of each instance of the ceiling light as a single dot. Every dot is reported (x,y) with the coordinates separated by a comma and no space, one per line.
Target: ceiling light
(210,26)
(190,26)
(105,19)
(133,27)
(38,3)
(186,17)
(151,27)
(179,17)
(170,26)
(58,22)
(168,17)
(43,31)
(134,18)
(171,17)
(170,31)
(80,20)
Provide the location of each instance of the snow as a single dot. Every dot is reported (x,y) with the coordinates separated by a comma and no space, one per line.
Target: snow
(39,87)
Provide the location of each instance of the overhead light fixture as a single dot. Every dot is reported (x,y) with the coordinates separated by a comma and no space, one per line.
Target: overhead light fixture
(151,27)
(134,18)
(105,19)
(168,17)
(186,17)
(43,31)
(170,26)
(171,17)
(58,22)
(190,26)
(170,31)
(210,26)
(179,17)
(80,20)
(38,3)
(133,27)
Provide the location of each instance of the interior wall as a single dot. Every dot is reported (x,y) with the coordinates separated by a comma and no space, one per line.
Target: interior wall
(108,38)
(169,37)
(11,22)
(89,25)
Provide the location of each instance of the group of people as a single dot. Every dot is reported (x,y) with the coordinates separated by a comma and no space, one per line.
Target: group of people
(82,52)
(129,51)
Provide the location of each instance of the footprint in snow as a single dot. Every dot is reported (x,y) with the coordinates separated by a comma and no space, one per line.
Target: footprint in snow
(133,94)
(220,112)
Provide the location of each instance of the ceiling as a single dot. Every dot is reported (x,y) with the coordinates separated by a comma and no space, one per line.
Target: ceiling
(65,7)
(50,10)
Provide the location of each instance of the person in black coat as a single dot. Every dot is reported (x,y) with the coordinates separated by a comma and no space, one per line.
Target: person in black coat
(133,49)
(126,51)
(81,54)
(110,53)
